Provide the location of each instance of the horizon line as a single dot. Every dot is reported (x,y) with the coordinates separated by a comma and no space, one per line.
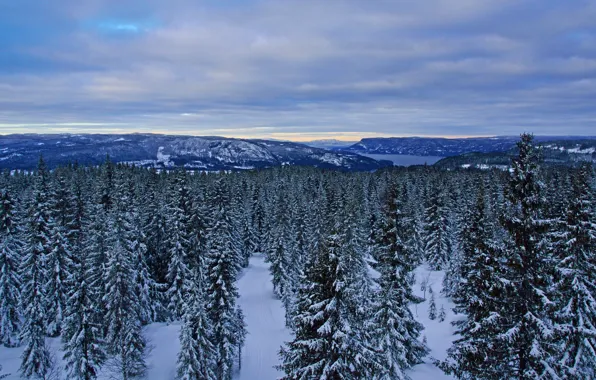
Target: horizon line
(293,137)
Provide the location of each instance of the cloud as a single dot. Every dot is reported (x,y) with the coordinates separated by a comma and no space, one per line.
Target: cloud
(344,67)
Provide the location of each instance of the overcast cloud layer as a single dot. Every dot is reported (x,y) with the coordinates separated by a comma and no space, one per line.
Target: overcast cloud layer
(299,69)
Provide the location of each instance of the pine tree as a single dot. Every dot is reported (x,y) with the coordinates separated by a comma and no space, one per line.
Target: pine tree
(327,344)
(123,308)
(221,292)
(83,345)
(527,328)
(575,314)
(196,355)
(475,354)
(438,246)
(36,357)
(58,267)
(10,280)
(397,330)
(179,268)
(442,314)
(432,306)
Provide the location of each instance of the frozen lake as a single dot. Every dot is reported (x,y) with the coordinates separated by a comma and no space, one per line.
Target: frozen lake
(405,159)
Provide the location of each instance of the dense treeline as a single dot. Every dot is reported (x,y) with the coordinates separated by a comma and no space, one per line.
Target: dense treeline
(94,254)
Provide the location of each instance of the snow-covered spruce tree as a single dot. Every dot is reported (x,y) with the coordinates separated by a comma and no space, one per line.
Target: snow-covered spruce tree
(228,332)
(58,268)
(10,280)
(465,245)
(279,260)
(99,237)
(442,314)
(396,329)
(180,248)
(82,342)
(155,229)
(327,345)
(432,306)
(196,355)
(36,357)
(123,316)
(438,248)
(477,352)
(527,330)
(146,288)
(575,289)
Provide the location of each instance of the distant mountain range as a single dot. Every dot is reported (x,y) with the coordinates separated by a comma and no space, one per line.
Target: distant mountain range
(430,146)
(22,151)
(568,152)
(163,151)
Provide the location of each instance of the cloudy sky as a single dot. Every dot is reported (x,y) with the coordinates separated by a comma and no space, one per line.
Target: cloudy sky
(299,69)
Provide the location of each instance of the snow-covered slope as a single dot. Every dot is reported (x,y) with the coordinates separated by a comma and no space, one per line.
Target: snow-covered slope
(163,151)
(265,319)
(430,146)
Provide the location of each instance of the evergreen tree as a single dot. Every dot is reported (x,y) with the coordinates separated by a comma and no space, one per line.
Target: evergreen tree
(442,314)
(179,268)
(432,306)
(576,286)
(228,331)
(83,345)
(327,344)
(475,354)
(36,357)
(10,280)
(438,246)
(123,308)
(196,355)
(58,267)
(397,330)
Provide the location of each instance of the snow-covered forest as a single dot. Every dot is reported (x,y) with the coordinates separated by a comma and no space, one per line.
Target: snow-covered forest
(99,265)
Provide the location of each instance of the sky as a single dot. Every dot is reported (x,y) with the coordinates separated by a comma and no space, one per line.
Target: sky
(299,69)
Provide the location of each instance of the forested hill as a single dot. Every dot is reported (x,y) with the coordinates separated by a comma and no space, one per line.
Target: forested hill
(570,152)
(443,147)
(164,151)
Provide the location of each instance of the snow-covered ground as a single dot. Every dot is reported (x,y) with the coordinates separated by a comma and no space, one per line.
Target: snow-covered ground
(439,335)
(265,319)
(264,316)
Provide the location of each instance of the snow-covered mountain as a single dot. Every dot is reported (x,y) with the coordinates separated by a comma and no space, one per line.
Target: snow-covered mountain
(165,151)
(427,146)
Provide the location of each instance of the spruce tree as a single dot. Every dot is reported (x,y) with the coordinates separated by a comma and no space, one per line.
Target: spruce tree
(228,330)
(10,280)
(327,344)
(438,246)
(180,249)
(82,341)
(196,355)
(36,357)
(478,297)
(397,331)
(432,306)
(442,314)
(527,328)
(124,312)
(575,289)
(58,268)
